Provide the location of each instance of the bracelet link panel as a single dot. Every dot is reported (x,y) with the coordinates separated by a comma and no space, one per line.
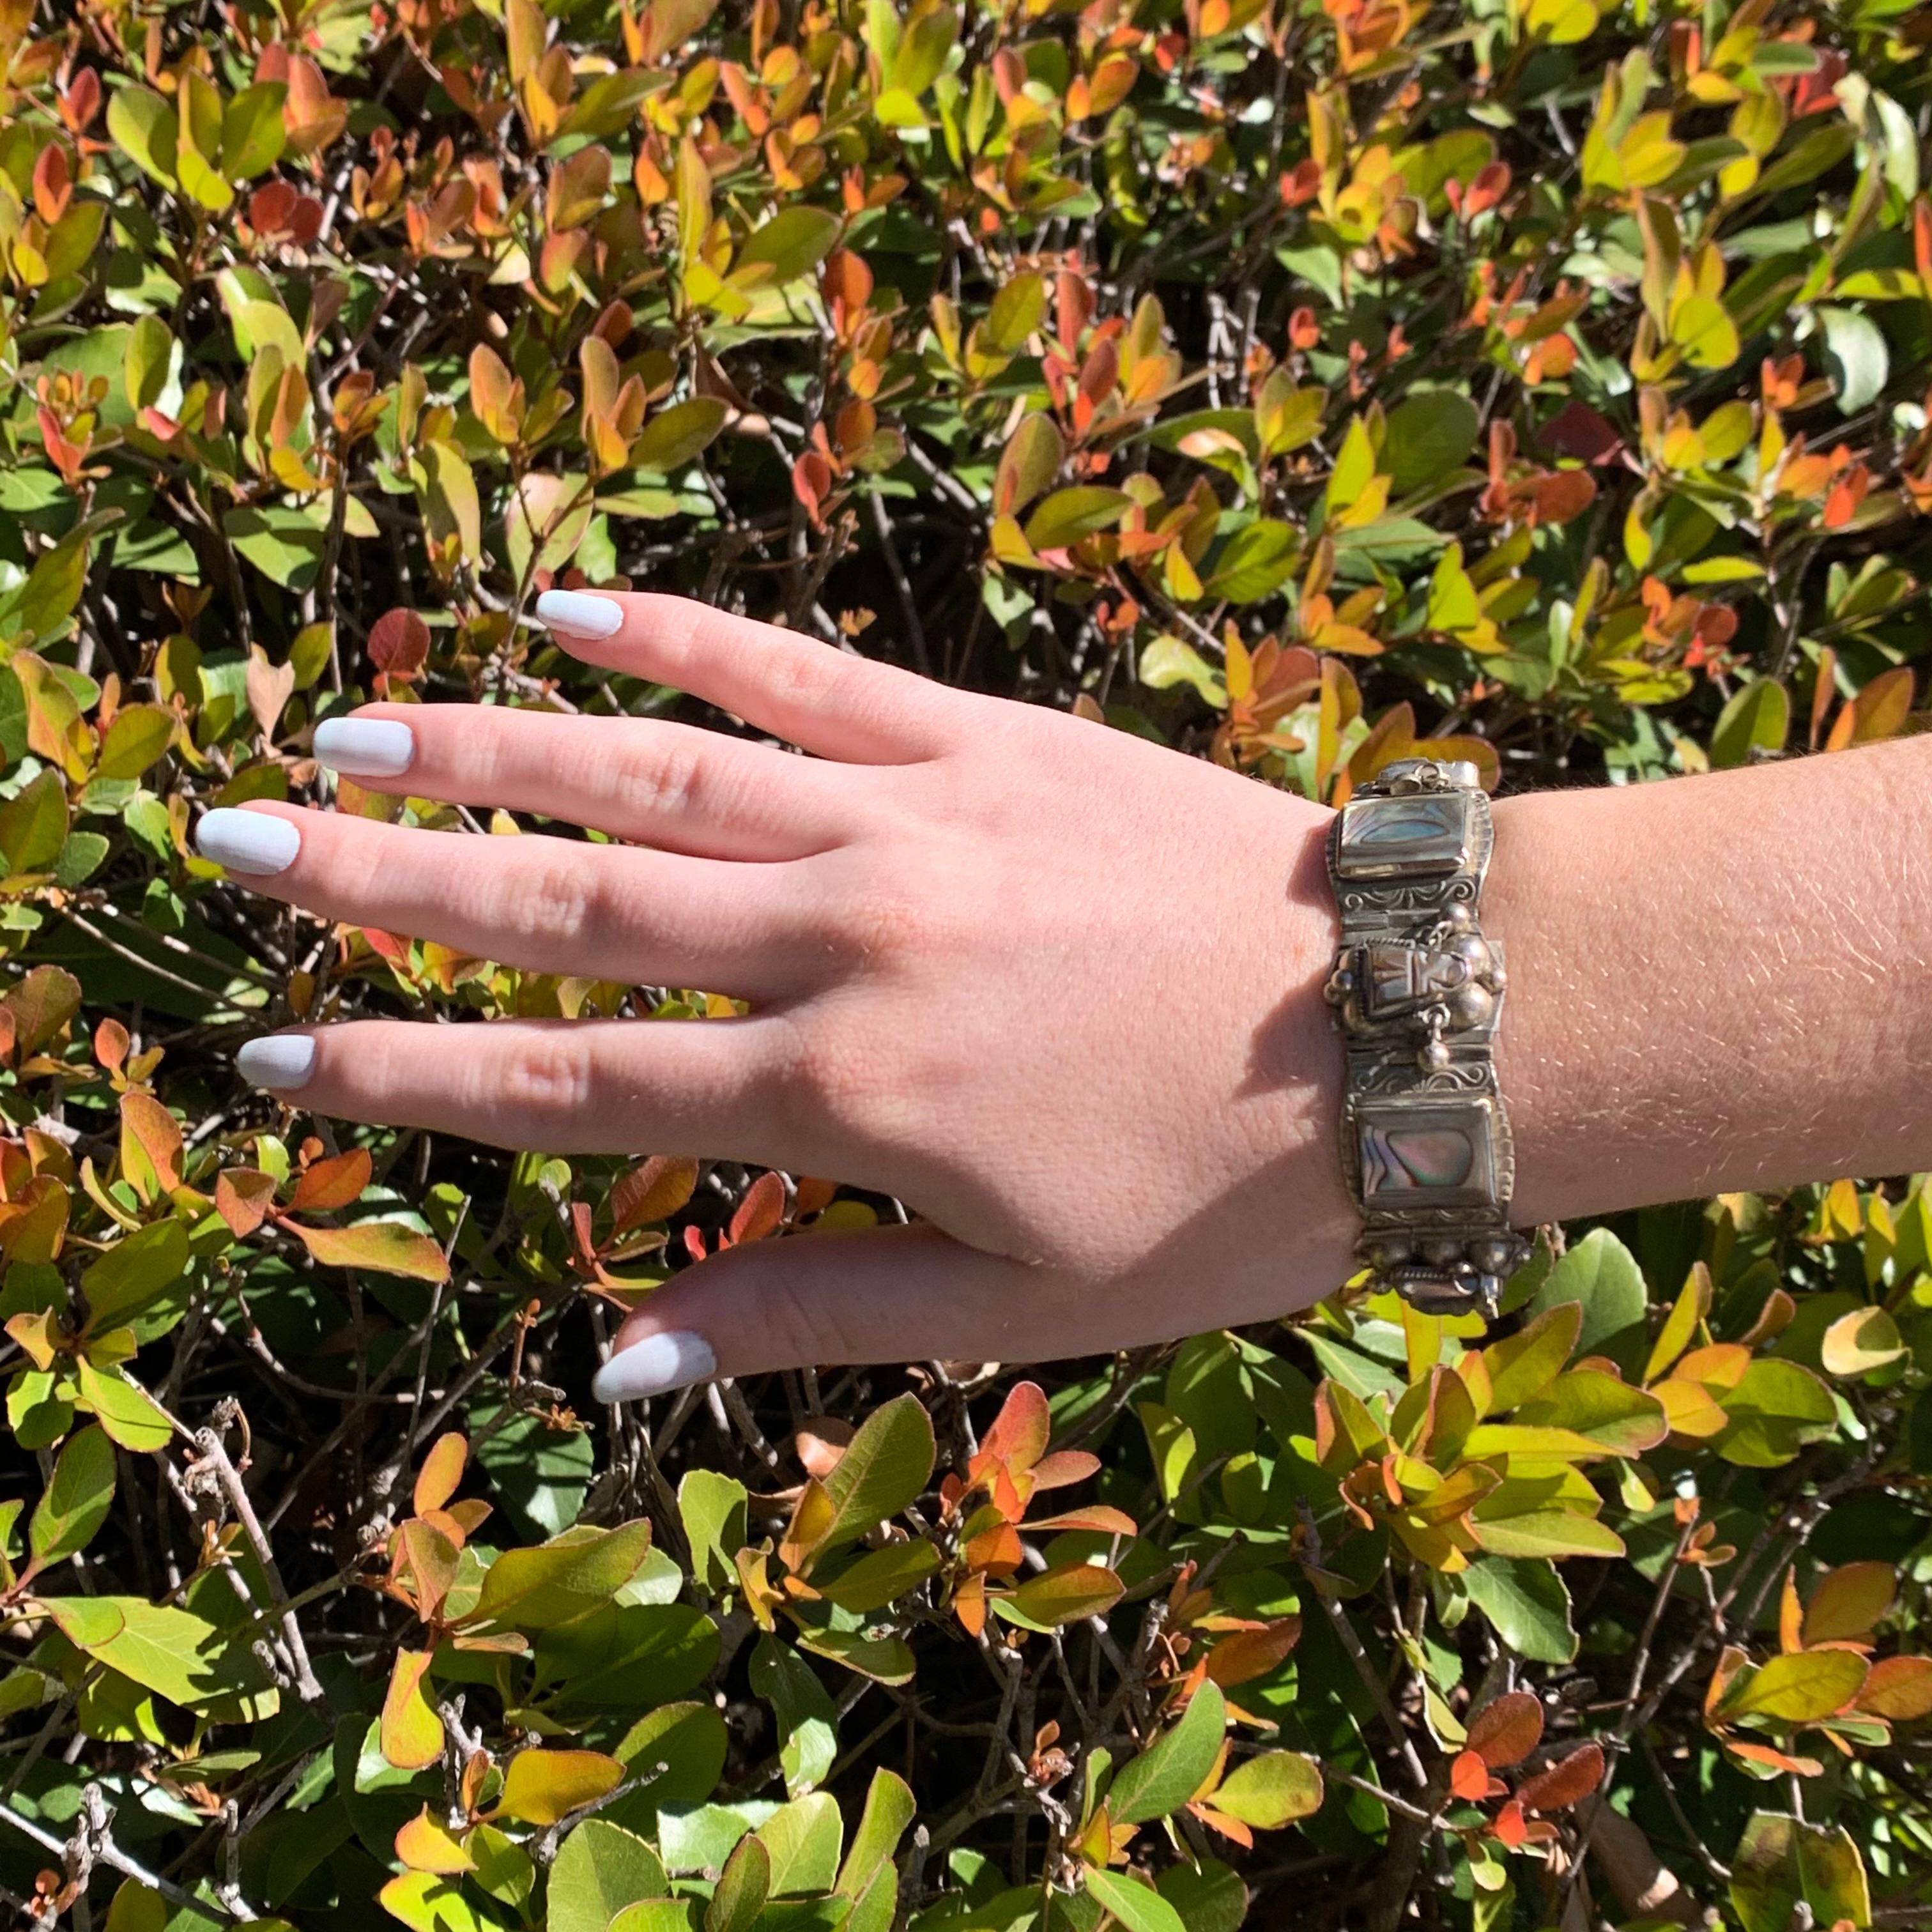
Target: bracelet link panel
(1417,990)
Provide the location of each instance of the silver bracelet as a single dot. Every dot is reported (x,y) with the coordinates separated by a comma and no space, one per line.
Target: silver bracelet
(1417,990)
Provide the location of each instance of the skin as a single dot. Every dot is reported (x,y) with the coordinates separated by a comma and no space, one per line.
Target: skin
(1059,990)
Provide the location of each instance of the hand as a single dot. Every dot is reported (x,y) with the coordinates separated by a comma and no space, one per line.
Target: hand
(1056,989)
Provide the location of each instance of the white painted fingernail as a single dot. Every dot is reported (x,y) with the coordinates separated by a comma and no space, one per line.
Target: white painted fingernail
(365,748)
(658,1362)
(578,616)
(284,1060)
(246,841)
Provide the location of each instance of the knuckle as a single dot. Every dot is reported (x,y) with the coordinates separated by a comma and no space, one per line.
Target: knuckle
(542,899)
(671,778)
(547,1079)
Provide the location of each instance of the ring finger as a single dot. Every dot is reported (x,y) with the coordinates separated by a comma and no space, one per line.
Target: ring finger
(547,905)
(568,1086)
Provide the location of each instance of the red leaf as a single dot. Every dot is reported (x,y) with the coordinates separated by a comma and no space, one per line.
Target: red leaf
(1565,1783)
(1511,1826)
(399,644)
(1505,1732)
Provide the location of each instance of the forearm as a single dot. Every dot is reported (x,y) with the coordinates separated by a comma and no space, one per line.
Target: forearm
(1717,983)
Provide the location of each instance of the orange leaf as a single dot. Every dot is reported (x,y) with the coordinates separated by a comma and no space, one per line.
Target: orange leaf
(241,1198)
(411,1732)
(424,1845)
(1247,1654)
(338,1182)
(154,1136)
(441,1470)
(760,1211)
(1900,1688)
(1021,1429)
(654,1190)
(1469,1776)
(385,1247)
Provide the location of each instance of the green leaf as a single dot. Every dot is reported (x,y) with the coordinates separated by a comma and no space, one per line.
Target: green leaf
(1016,312)
(252,135)
(173,1652)
(742,1887)
(792,244)
(1855,357)
(1161,1779)
(1068,515)
(1776,1409)
(1701,327)
(889,1808)
(1625,1420)
(1599,1273)
(1758,717)
(145,365)
(533,1589)
(75,1503)
(1430,433)
(33,823)
(1546,1533)
(712,1508)
(286,544)
(1271,1790)
(880,1577)
(134,1274)
(1528,1605)
(81,854)
(1781,1863)
(127,1415)
(1066,1595)
(145,128)
(804,1838)
(139,737)
(1209,1896)
(659,1915)
(1256,562)
(674,435)
(808,1719)
(256,315)
(885,1465)
(1522,1366)
(1798,1687)
(40,607)
(601,1869)
(1139,1907)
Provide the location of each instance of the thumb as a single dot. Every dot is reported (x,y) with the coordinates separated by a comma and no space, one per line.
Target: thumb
(884,1294)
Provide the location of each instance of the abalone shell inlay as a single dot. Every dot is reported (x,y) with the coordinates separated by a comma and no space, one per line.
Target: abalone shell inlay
(1396,1160)
(1396,838)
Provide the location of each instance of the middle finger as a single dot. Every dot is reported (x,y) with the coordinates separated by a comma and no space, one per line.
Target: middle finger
(548,905)
(674,786)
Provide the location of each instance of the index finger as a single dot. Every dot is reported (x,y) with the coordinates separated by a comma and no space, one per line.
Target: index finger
(812,694)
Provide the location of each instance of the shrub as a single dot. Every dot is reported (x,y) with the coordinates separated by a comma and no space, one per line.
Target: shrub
(1292,386)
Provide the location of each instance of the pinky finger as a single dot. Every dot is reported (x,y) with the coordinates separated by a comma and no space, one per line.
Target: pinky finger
(721,1087)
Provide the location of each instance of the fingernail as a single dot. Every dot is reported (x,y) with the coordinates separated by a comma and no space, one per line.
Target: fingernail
(365,748)
(246,841)
(658,1362)
(578,616)
(279,1059)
